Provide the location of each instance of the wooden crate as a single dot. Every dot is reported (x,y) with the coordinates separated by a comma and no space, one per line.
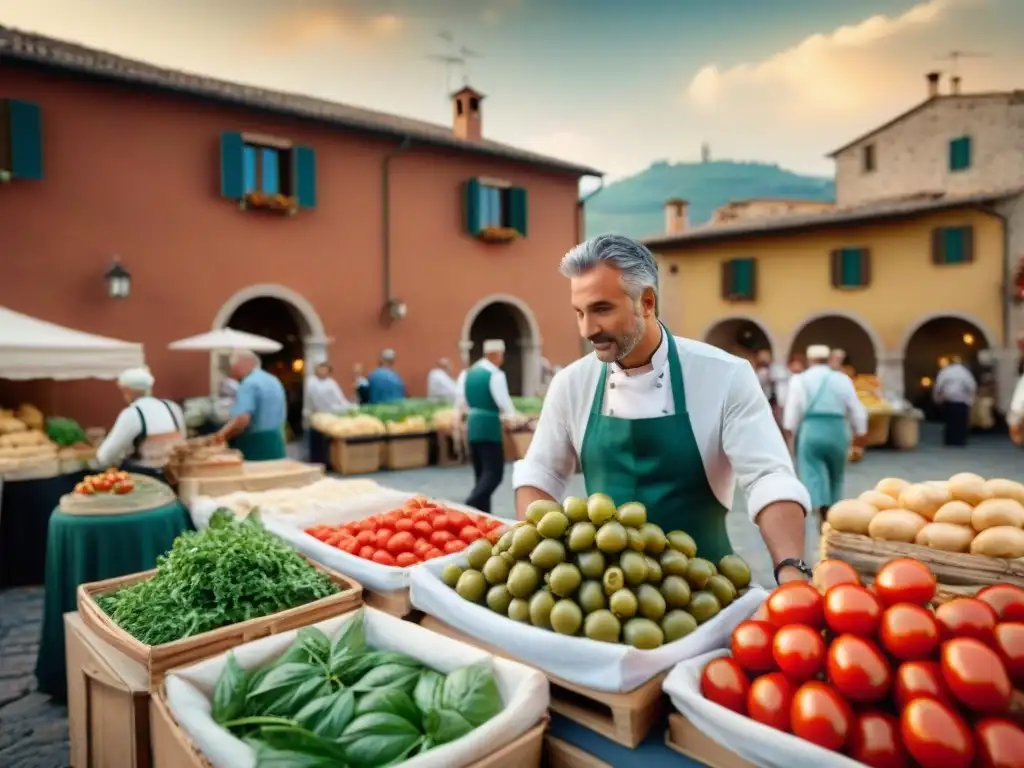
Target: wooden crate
(255,476)
(878,429)
(407,451)
(562,754)
(356,456)
(625,718)
(158,659)
(683,737)
(395,603)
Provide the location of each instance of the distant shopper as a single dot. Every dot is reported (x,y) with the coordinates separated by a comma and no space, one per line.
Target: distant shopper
(441,387)
(323,395)
(386,386)
(837,359)
(362,386)
(257,419)
(954,392)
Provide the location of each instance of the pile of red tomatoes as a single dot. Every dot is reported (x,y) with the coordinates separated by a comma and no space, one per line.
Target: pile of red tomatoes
(874,673)
(420,530)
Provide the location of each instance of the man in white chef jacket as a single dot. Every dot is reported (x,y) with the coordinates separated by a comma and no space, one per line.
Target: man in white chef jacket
(669,422)
(954,392)
(441,387)
(323,395)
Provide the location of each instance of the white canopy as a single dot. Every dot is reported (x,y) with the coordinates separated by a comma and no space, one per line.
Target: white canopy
(36,349)
(225,340)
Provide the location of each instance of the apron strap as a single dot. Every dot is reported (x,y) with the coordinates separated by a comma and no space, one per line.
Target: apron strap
(174,419)
(675,372)
(602,382)
(141,437)
(818,392)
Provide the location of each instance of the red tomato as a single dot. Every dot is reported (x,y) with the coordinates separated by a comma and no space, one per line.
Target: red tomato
(752,646)
(391,519)
(352,546)
(1006,600)
(821,716)
(920,680)
(383,537)
(367,524)
(796,603)
(904,580)
(455,545)
(421,547)
(769,700)
(382,558)
(976,675)
(761,614)
(366,551)
(494,534)
(1009,643)
(432,553)
(440,522)
(422,514)
(830,573)
(457,520)
(366,537)
(470,533)
(935,735)
(404,525)
(965,617)
(875,741)
(422,528)
(401,542)
(909,632)
(857,669)
(440,538)
(1000,743)
(852,610)
(724,683)
(405,559)
(799,651)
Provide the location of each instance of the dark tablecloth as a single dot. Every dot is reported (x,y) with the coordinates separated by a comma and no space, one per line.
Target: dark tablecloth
(25,509)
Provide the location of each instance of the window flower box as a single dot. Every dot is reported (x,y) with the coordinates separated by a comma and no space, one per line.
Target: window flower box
(275,203)
(498,234)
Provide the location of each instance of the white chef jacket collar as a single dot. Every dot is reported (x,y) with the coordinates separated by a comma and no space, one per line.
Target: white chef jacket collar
(658,360)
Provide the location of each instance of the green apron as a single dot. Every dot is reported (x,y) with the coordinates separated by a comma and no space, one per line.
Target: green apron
(822,445)
(265,445)
(484,415)
(656,462)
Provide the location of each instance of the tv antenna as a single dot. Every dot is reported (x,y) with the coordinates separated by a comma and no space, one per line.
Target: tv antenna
(455,60)
(954,57)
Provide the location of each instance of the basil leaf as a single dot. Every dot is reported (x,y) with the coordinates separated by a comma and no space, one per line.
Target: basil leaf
(379,739)
(388,676)
(284,702)
(390,700)
(362,664)
(427,694)
(299,740)
(445,725)
(351,638)
(315,643)
(268,757)
(288,675)
(472,692)
(230,693)
(327,716)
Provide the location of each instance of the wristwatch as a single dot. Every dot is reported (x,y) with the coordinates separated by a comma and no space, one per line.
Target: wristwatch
(793,562)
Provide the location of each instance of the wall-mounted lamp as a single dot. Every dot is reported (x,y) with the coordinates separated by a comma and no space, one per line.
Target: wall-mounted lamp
(395,310)
(119,280)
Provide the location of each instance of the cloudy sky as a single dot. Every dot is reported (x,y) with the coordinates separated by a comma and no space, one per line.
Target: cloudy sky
(612,83)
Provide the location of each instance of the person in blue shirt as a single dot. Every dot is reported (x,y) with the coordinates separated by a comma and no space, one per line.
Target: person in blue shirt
(385,385)
(256,423)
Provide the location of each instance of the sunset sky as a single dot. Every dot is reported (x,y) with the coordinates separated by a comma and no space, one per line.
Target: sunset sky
(612,84)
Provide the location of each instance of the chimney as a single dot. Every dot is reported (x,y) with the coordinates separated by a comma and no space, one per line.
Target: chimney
(954,86)
(933,84)
(466,115)
(675,216)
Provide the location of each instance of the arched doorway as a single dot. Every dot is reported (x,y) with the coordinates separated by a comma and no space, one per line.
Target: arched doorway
(930,346)
(511,320)
(840,332)
(741,336)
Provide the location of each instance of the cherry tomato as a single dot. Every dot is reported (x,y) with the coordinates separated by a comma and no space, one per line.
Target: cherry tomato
(904,580)
(457,520)
(920,680)
(440,538)
(422,515)
(966,617)
(366,551)
(470,533)
(440,522)
(821,716)
(383,537)
(382,557)
(976,675)
(1008,639)
(391,519)
(494,534)
(405,559)
(1000,743)
(875,741)
(725,683)
(796,603)
(422,529)
(752,646)
(935,735)
(366,537)
(909,632)
(404,525)
(432,553)
(421,547)
(1006,600)
(799,651)
(401,542)
(830,573)
(769,700)
(455,545)
(351,546)
(857,669)
(367,524)
(852,610)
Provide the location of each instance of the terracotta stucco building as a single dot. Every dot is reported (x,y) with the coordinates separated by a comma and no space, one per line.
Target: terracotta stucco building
(234,205)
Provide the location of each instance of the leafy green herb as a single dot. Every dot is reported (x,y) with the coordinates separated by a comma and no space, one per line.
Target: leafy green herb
(231,691)
(379,738)
(444,725)
(329,715)
(427,694)
(390,700)
(473,693)
(357,666)
(388,676)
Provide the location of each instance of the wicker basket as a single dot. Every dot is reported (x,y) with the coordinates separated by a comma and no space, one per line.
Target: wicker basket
(905,432)
(357,456)
(878,429)
(407,451)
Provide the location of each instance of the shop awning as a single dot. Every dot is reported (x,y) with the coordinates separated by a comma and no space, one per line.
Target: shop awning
(36,349)
(226,340)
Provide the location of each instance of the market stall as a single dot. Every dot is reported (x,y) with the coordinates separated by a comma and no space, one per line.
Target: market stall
(890,421)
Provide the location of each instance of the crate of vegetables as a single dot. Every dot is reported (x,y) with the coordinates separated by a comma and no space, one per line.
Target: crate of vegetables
(378,540)
(215,589)
(839,675)
(363,689)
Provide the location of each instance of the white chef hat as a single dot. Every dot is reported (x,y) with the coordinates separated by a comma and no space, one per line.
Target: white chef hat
(817,352)
(138,379)
(387,355)
(492,346)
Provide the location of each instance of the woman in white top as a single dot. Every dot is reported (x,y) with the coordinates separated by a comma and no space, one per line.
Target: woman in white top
(145,432)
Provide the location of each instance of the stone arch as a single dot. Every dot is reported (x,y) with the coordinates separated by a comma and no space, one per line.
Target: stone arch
(873,340)
(716,332)
(932,338)
(967,317)
(529,341)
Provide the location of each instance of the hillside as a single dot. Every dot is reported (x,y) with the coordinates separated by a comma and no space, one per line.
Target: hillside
(634,205)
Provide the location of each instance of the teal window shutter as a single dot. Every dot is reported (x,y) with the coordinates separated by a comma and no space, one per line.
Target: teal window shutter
(960,153)
(232,166)
(851,268)
(26,127)
(305,176)
(743,278)
(953,245)
(517,210)
(473,193)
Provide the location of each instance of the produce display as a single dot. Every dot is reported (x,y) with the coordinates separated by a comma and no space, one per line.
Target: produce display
(111,481)
(410,425)
(528,406)
(26,445)
(65,432)
(345,427)
(588,568)
(289,501)
(420,530)
(228,573)
(876,674)
(869,392)
(343,703)
(966,514)
(442,419)
(26,417)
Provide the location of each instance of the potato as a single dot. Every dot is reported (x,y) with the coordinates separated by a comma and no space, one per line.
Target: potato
(969,487)
(955,512)
(851,516)
(896,525)
(924,498)
(997,512)
(1000,488)
(891,486)
(945,536)
(1001,541)
(878,500)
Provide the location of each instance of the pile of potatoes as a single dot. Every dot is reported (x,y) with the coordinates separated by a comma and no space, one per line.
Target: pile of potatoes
(966,513)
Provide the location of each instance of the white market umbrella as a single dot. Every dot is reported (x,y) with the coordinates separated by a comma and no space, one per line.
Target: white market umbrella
(225,340)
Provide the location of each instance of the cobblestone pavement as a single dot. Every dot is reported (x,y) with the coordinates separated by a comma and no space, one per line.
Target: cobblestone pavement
(33,731)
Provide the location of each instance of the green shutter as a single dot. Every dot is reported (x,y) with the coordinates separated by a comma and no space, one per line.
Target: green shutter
(517,210)
(960,154)
(26,130)
(472,191)
(743,278)
(232,176)
(953,245)
(304,162)
(851,268)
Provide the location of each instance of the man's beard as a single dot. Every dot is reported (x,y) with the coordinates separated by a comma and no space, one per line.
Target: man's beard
(621,346)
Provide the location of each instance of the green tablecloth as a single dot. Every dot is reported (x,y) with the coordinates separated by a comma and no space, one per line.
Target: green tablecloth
(82,549)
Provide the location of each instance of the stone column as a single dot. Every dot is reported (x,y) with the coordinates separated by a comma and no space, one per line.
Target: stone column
(890,373)
(1005,367)
(530,358)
